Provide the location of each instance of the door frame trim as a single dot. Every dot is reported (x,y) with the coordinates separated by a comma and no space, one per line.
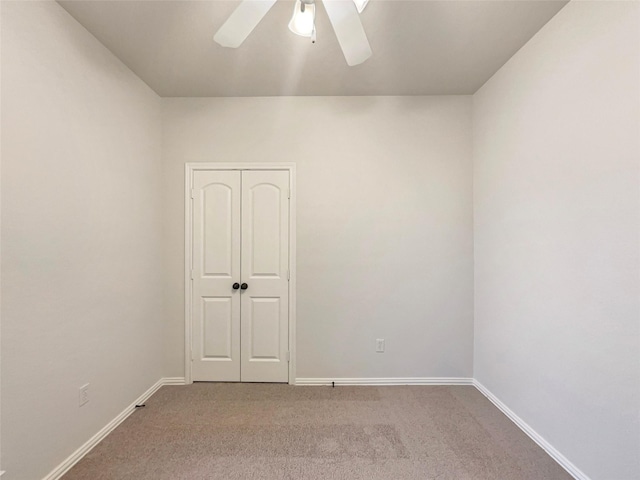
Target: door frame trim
(189,169)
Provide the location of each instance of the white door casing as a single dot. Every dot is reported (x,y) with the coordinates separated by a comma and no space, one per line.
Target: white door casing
(240,226)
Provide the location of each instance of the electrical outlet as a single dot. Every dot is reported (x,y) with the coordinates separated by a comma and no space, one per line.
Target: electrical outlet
(83,395)
(380,345)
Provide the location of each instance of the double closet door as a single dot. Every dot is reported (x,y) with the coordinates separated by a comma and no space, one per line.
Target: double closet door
(240,275)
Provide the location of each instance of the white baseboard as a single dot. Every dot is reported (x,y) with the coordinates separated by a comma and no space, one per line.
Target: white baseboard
(535,436)
(173,381)
(386,381)
(76,456)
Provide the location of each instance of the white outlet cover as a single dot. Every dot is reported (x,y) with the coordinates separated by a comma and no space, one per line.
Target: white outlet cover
(380,345)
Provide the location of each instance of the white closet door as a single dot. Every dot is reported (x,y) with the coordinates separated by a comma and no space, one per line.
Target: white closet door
(216,267)
(265,264)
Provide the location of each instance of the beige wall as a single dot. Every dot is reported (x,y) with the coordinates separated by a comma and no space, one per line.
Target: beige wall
(556,162)
(80,238)
(384,240)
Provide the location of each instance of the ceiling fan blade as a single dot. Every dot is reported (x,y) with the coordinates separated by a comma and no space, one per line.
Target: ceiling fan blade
(242,22)
(345,20)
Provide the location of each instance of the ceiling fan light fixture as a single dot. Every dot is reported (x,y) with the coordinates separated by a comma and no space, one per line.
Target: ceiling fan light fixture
(303,20)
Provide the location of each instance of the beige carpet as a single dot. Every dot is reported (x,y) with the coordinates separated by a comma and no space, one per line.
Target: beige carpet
(262,431)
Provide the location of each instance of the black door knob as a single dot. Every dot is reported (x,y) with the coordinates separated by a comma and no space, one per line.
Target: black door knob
(244,286)
(236,286)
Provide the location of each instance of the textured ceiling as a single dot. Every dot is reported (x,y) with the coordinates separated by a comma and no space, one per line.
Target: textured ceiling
(419,47)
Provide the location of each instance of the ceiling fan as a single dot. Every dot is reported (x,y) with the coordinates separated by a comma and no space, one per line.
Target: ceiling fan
(343,15)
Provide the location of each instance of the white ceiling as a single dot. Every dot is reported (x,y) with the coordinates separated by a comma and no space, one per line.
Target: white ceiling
(420,47)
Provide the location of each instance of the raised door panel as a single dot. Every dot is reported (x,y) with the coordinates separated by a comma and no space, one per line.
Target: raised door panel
(264,237)
(217,328)
(264,329)
(217,231)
